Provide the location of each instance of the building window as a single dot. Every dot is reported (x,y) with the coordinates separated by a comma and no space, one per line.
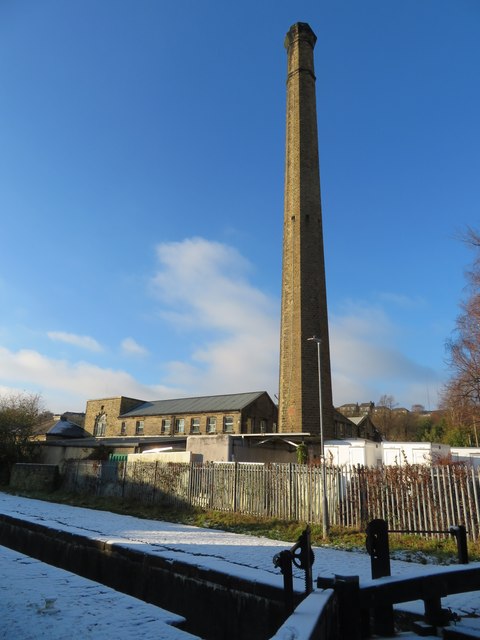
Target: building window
(263,426)
(139,428)
(195,425)
(123,429)
(211,424)
(166,426)
(180,425)
(100,426)
(228,424)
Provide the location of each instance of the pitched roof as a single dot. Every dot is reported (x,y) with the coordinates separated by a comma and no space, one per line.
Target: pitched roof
(66,429)
(203,404)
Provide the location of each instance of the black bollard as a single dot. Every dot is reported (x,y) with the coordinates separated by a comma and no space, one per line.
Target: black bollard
(283,561)
(460,534)
(303,557)
(351,624)
(378,548)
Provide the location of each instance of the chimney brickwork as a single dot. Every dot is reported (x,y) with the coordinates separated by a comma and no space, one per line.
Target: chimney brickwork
(304,300)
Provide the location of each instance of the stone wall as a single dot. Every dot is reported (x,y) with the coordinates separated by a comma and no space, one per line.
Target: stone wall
(34,477)
(112,408)
(152,425)
(215,605)
(212,449)
(165,456)
(248,420)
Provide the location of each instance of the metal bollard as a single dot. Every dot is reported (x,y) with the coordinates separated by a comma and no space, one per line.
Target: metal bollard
(350,618)
(303,558)
(283,561)
(378,548)
(301,555)
(460,534)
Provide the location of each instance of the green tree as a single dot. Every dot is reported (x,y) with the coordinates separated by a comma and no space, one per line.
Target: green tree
(430,430)
(19,414)
(302,453)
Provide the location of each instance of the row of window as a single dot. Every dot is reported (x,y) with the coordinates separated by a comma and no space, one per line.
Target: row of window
(180,426)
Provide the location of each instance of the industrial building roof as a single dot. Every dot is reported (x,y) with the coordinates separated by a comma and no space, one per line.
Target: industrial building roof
(203,404)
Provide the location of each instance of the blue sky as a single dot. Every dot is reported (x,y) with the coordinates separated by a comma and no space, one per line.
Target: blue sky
(141,193)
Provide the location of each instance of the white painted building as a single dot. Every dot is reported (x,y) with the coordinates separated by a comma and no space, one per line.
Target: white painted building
(466,454)
(354,451)
(398,453)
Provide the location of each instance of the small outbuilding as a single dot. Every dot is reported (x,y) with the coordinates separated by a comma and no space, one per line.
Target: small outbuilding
(65,429)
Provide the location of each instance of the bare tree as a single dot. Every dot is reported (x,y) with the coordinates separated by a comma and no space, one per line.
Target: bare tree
(462,393)
(383,416)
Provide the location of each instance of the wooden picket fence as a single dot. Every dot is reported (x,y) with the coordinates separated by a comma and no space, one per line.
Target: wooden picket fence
(409,497)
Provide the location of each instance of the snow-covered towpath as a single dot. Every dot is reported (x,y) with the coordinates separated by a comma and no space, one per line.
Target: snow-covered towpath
(245,556)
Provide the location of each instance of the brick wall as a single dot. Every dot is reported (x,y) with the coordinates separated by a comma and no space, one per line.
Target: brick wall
(304,300)
(112,408)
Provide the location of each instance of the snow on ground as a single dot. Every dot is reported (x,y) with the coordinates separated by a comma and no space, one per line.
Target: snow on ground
(246,556)
(41,601)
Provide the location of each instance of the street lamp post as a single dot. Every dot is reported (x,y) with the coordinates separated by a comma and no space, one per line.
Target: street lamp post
(325,519)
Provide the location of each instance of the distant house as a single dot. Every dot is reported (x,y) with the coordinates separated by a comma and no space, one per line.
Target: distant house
(239,413)
(49,425)
(353,409)
(364,428)
(65,428)
(348,410)
(366,408)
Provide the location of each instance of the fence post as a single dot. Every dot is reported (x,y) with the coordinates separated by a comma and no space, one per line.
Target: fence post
(362,490)
(290,490)
(155,482)
(124,474)
(235,480)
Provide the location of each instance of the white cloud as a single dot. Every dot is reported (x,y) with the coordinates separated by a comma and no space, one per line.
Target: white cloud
(203,287)
(401,300)
(366,364)
(205,294)
(65,385)
(204,283)
(131,347)
(84,342)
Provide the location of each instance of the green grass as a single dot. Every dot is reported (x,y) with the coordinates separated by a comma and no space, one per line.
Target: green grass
(413,547)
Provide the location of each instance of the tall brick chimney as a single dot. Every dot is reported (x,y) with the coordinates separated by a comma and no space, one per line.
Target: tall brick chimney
(304,299)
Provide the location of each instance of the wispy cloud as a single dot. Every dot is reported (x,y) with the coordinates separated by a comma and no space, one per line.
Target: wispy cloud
(401,300)
(367,364)
(67,385)
(205,286)
(84,342)
(205,291)
(131,347)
